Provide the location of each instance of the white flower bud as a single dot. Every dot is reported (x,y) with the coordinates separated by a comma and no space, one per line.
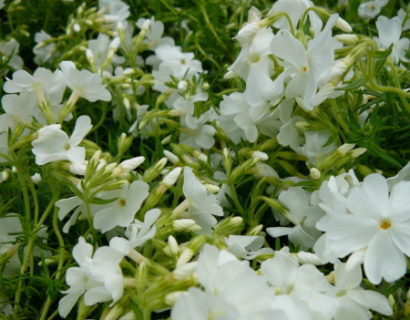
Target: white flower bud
(307,257)
(173,245)
(212,188)
(172,176)
(201,156)
(343,25)
(78,168)
(260,155)
(358,152)
(185,271)
(4,175)
(185,257)
(172,297)
(345,148)
(132,164)
(347,38)
(185,225)
(182,85)
(115,43)
(171,157)
(166,140)
(315,173)
(76,27)
(36,178)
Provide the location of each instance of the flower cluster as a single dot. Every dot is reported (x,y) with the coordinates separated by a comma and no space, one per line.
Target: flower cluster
(177,167)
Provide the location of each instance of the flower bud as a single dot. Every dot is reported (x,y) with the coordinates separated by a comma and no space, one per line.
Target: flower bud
(260,155)
(182,85)
(315,173)
(185,225)
(36,178)
(171,157)
(132,164)
(185,271)
(173,245)
(171,298)
(185,257)
(172,177)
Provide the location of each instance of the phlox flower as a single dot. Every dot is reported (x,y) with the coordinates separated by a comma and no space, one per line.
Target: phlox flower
(301,291)
(43,52)
(232,290)
(84,83)
(300,213)
(53,144)
(371,9)
(98,277)
(352,301)
(247,247)
(137,232)
(376,221)
(10,51)
(121,211)
(202,205)
(309,68)
(389,35)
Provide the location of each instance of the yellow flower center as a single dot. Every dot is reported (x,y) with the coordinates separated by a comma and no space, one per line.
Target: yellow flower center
(122,202)
(254,57)
(67,146)
(385,224)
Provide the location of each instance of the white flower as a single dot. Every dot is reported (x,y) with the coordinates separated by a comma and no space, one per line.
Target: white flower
(255,66)
(294,9)
(43,52)
(67,205)
(247,247)
(153,37)
(241,120)
(353,302)
(47,85)
(19,109)
(137,233)
(99,277)
(389,35)
(232,290)
(115,10)
(302,214)
(9,50)
(309,68)
(202,205)
(121,211)
(376,221)
(370,9)
(83,83)
(300,291)
(53,144)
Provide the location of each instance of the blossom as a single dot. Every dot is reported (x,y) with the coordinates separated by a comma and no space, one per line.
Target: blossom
(41,51)
(137,232)
(202,205)
(84,83)
(9,50)
(352,301)
(53,144)
(247,247)
(389,35)
(370,9)
(301,291)
(376,220)
(232,290)
(98,277)
(121,211)
(300,213)
(309,68)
